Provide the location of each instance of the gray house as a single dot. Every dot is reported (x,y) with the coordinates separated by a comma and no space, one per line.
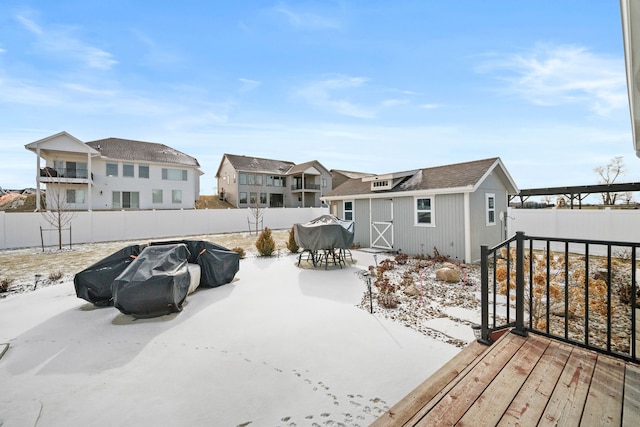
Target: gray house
(247,181)
(453,208)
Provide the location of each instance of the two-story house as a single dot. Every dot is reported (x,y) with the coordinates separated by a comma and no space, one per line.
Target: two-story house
(114,173)
(247,181)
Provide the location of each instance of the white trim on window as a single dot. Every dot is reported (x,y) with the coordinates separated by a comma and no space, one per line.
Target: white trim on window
(424,211)
(347,210)
(490,208)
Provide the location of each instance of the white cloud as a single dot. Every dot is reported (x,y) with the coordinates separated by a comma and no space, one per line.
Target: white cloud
(322,94)
(60,41)
(307,20)
(248,85)
(563,74)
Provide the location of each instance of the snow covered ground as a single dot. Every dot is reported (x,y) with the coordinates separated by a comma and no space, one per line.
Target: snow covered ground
(279,346)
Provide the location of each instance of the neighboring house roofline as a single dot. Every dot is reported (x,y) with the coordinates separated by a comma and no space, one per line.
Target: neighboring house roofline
(242,163)
(132,150)
(299,168)
(33,146)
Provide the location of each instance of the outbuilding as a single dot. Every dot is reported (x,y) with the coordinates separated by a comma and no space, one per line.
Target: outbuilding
(451,209)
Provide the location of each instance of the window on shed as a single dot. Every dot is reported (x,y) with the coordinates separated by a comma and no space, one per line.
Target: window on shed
(424,211)
(491,209)
(348,210)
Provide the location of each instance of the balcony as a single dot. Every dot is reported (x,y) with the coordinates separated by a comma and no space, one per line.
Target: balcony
(306,187)
(64,175)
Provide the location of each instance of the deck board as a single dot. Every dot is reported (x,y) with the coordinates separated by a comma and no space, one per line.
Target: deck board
(567,401)
(496,398)
(453,405)
(522,381)
(529,404)
(604,401)
(631,406)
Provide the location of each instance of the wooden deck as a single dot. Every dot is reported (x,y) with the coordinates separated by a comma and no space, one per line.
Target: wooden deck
(524,381)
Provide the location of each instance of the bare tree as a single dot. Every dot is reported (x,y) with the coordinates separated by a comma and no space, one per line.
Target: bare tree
(57,212)
(256,205)
(608,175)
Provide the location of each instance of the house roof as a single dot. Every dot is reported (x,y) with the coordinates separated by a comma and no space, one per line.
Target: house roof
(306,165)
(455,177)
(256,164)
(126,149)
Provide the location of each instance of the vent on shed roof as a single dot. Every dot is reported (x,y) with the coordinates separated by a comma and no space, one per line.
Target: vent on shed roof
(387,181)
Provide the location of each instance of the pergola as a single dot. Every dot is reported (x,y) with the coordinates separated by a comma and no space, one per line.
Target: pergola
(575,193)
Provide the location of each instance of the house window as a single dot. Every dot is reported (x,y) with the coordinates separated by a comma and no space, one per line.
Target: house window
(174,174)
(75,196)
(156,196)
(143,171)
(176,196)
(263,198)
(252,198)
(424,211)
(259,179)
(125,200)
(112,169)
(251,179)
(348,210)
(491,209)
(127,170)
(243,179)
(324,182)
(243,197)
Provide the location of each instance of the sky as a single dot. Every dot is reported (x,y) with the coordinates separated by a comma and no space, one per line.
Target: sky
(370,86)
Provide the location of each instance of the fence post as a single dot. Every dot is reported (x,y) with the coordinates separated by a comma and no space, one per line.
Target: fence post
(520,329)
(484,296)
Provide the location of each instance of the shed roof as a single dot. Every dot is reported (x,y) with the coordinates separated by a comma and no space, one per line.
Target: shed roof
(456,177)
(127,149)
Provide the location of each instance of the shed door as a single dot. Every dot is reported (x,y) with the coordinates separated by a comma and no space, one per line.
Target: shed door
(382,223)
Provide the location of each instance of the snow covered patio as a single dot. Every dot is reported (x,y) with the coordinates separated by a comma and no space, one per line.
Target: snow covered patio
(279,346)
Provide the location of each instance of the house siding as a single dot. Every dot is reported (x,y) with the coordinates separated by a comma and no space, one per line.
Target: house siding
(482,234)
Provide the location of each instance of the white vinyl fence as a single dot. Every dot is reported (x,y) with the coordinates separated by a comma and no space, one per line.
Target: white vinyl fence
(616,225)
(22,230)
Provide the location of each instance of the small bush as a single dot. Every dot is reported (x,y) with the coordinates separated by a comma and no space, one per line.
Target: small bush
(239,251)
(5,284)
(265,243)
(401,259)
(291,243)
(54,276)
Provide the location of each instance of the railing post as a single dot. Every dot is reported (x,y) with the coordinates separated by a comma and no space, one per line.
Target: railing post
(484,296)
(520,328)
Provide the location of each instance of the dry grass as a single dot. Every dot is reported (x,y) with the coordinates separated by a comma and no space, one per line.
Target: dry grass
(21,266)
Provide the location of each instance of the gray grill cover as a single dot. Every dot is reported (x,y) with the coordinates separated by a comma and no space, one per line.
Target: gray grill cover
(324,232)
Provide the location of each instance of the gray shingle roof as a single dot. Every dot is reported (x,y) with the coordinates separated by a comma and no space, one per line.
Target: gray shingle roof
(256,164)
(129,150)
(456,175)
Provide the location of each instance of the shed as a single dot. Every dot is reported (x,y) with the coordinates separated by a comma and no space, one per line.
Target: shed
(451,209)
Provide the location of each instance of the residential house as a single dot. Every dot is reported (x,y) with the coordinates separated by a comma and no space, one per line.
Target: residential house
(114,173)
(247,181)
(452,209)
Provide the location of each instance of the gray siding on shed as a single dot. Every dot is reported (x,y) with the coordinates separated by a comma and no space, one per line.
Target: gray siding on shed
(481,233)
(447,236)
